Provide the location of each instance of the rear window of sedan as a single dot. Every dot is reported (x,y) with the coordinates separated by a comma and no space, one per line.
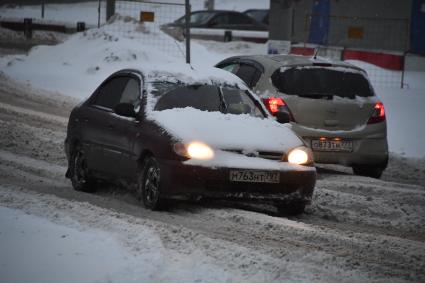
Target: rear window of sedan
(316,82)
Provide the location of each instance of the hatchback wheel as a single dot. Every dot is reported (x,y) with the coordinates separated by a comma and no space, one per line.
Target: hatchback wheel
(81,180)
(373,171)
(149,185)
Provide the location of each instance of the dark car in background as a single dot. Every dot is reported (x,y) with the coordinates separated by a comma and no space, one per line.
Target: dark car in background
(220,25)
(330,104)
(260,15)
(174,136)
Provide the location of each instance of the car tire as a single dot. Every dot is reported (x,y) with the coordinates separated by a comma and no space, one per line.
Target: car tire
(373,171)
(149,185)
(291,208)
(80,178)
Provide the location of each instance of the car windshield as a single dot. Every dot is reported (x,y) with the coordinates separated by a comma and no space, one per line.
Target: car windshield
(225,99)
(196,18)
(316,82)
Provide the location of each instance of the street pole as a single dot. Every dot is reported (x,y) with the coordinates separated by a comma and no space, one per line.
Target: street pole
(98,14)
(110,9)
(187,30)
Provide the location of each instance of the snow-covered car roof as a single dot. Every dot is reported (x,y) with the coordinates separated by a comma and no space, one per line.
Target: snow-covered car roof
(186,74)
(280,60)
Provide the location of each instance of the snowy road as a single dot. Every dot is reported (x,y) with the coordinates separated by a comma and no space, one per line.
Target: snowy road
(357,230)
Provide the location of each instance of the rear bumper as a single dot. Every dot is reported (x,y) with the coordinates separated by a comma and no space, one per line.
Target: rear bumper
(370,146)
(182,181)
(365,152)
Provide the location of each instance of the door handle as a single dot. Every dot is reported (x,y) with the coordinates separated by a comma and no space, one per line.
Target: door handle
(110,126)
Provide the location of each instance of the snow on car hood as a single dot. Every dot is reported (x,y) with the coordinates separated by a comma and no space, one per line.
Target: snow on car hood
(226,131)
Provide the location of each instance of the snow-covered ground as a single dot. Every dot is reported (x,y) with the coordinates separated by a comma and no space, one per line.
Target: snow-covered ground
(358,229)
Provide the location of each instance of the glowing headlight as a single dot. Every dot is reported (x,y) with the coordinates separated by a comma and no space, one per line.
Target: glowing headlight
(195,150)
(199,150)
(299,156)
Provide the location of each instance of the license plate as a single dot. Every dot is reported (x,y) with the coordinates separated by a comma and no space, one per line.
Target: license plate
(344,146)
(254,176)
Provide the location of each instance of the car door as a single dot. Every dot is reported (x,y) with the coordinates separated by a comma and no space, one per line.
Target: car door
(94,118)
(112,136)
(123,131)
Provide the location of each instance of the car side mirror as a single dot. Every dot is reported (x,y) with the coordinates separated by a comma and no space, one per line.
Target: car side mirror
(283,117)
(125,109)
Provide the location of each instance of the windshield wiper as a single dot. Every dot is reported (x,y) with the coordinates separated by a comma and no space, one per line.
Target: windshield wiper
(223,105)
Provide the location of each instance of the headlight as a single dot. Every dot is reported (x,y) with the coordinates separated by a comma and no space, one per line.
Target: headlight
(300,155)
(195,150)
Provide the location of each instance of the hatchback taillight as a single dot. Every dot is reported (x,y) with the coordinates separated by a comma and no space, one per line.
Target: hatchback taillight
(277,104)
(378,114)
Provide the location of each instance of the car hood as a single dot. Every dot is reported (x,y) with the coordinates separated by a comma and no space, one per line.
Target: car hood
(227,131)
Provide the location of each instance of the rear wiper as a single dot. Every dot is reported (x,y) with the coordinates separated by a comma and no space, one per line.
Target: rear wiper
(317,96)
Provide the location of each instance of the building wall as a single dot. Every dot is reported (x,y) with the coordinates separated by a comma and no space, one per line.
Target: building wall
(371,24)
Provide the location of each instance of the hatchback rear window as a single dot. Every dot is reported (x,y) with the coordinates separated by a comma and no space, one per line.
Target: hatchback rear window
(318,82)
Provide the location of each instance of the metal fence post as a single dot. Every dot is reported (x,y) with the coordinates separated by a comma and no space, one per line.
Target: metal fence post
(98,13)
(42,10)
(28,28)
(110,9)
(187,30)
(403,70)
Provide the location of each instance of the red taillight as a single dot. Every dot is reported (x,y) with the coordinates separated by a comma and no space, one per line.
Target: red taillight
(273,104)
(378,114)
(277,104)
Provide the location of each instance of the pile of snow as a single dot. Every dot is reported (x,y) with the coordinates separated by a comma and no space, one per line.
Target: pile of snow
(404,111)
(77,66)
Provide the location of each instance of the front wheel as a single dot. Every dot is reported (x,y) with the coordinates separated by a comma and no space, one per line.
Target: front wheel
(373,171)
(149,185)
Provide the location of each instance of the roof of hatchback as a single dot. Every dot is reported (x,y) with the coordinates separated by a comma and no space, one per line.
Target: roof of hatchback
(280,60)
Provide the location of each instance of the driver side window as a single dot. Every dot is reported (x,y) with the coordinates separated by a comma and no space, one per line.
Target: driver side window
(109,95)
(121,89)
(131,93)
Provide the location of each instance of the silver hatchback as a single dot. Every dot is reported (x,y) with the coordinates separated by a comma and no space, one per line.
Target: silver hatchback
(330,104)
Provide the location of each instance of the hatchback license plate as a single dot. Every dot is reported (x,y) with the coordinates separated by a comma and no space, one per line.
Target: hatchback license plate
(252,176)
(345,146)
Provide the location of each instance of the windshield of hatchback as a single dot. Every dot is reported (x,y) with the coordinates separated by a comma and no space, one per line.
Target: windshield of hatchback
(210,98)
(317,82)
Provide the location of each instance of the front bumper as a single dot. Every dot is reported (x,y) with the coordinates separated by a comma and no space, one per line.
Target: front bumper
(181,181)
